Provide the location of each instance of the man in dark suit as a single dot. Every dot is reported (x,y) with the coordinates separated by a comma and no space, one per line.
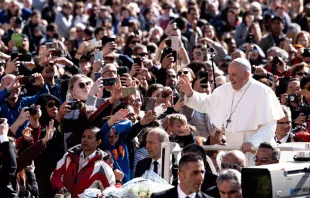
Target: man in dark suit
(7,162)
(191,175)
(153,145)
(284,127)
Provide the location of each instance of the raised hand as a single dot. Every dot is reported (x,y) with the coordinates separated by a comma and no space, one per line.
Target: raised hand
(185,86)
(49,132)
(118,116)
(149,117)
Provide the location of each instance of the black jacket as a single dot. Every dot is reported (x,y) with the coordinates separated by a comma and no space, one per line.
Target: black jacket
(173,193)
(142,166)
(7,169)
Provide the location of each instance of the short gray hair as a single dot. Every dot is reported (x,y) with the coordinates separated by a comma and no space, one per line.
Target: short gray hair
(162,134)
(230,175)
(294,28)
(280,52)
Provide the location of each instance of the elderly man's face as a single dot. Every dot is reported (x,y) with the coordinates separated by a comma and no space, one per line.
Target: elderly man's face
(263,157)
(293,87)
(237,75)
(229,190)
(283,126)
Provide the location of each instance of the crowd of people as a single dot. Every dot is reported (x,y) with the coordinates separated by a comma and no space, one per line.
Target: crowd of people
(91,89)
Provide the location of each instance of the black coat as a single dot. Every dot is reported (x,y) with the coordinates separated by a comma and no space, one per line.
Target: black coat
(142,166)
(173,193)
(8,167)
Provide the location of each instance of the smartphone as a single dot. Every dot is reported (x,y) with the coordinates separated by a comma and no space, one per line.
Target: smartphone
(175,45)
(21,57)
(75,105)
(108,81)
(18,39)
(168,42)
(59,53)
(98,56)
(138,61)
(150,104)
(27,80)
(32,110)
(51,45)
(126,91)
(122,70)
(97,75)
(96,44)
(204,74)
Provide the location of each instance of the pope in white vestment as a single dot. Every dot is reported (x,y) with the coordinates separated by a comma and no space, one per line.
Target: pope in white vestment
(247,115)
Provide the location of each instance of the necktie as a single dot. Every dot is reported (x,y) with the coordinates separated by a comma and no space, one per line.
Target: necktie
(187,197)
(155,163)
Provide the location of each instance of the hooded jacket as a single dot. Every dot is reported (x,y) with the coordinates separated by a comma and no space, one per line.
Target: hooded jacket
(96,174)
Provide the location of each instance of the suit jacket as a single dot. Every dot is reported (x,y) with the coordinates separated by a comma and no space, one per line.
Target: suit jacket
(142,166)
(7,171)
(173,193)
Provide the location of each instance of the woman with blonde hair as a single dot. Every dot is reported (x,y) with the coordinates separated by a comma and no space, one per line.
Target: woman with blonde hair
(73,111)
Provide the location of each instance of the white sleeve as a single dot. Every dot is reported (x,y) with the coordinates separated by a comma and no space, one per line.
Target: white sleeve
(3,138)
(198,101)
(264,134)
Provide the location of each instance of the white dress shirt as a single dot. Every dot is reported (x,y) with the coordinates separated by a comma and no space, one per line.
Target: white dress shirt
(284,139)
(3,138)
(84,161)
(181,194)
(158,166)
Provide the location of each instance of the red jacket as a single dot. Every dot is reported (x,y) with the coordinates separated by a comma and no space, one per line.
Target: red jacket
(96,174)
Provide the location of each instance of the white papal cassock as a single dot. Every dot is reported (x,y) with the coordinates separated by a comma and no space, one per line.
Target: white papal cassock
(253,120)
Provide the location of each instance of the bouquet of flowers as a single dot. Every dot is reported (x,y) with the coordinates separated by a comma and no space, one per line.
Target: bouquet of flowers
(141,187)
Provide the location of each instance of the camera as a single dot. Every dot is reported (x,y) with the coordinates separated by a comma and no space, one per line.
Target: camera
(75,105)
(306,52)
(21,57)
(169,50)
(138,61)
(107,39)
(292,98)
(27,80)
(18,21)
(59,53)
(32,110)
(211,50)
(250,39)
(108,81)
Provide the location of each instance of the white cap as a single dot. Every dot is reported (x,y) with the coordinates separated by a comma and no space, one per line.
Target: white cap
(244,62)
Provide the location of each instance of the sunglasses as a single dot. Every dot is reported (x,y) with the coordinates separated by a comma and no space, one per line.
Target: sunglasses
(302,73)
(51,105)
(134,42)
(82,85)
(262,160)
(282,123)
(231,166)
(171,76)
(142,54)
(181,73)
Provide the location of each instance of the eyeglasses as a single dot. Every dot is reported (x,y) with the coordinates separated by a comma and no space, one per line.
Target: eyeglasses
(171,76)
(302,73)
(262,160)
(51,104)
(134,42)
(82,85)
(197,53)
(232,166)
(181,73)
(142,54)
(283,123)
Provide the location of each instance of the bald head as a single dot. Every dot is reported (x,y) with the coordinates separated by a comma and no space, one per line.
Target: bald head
(235,159)
(6,80)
